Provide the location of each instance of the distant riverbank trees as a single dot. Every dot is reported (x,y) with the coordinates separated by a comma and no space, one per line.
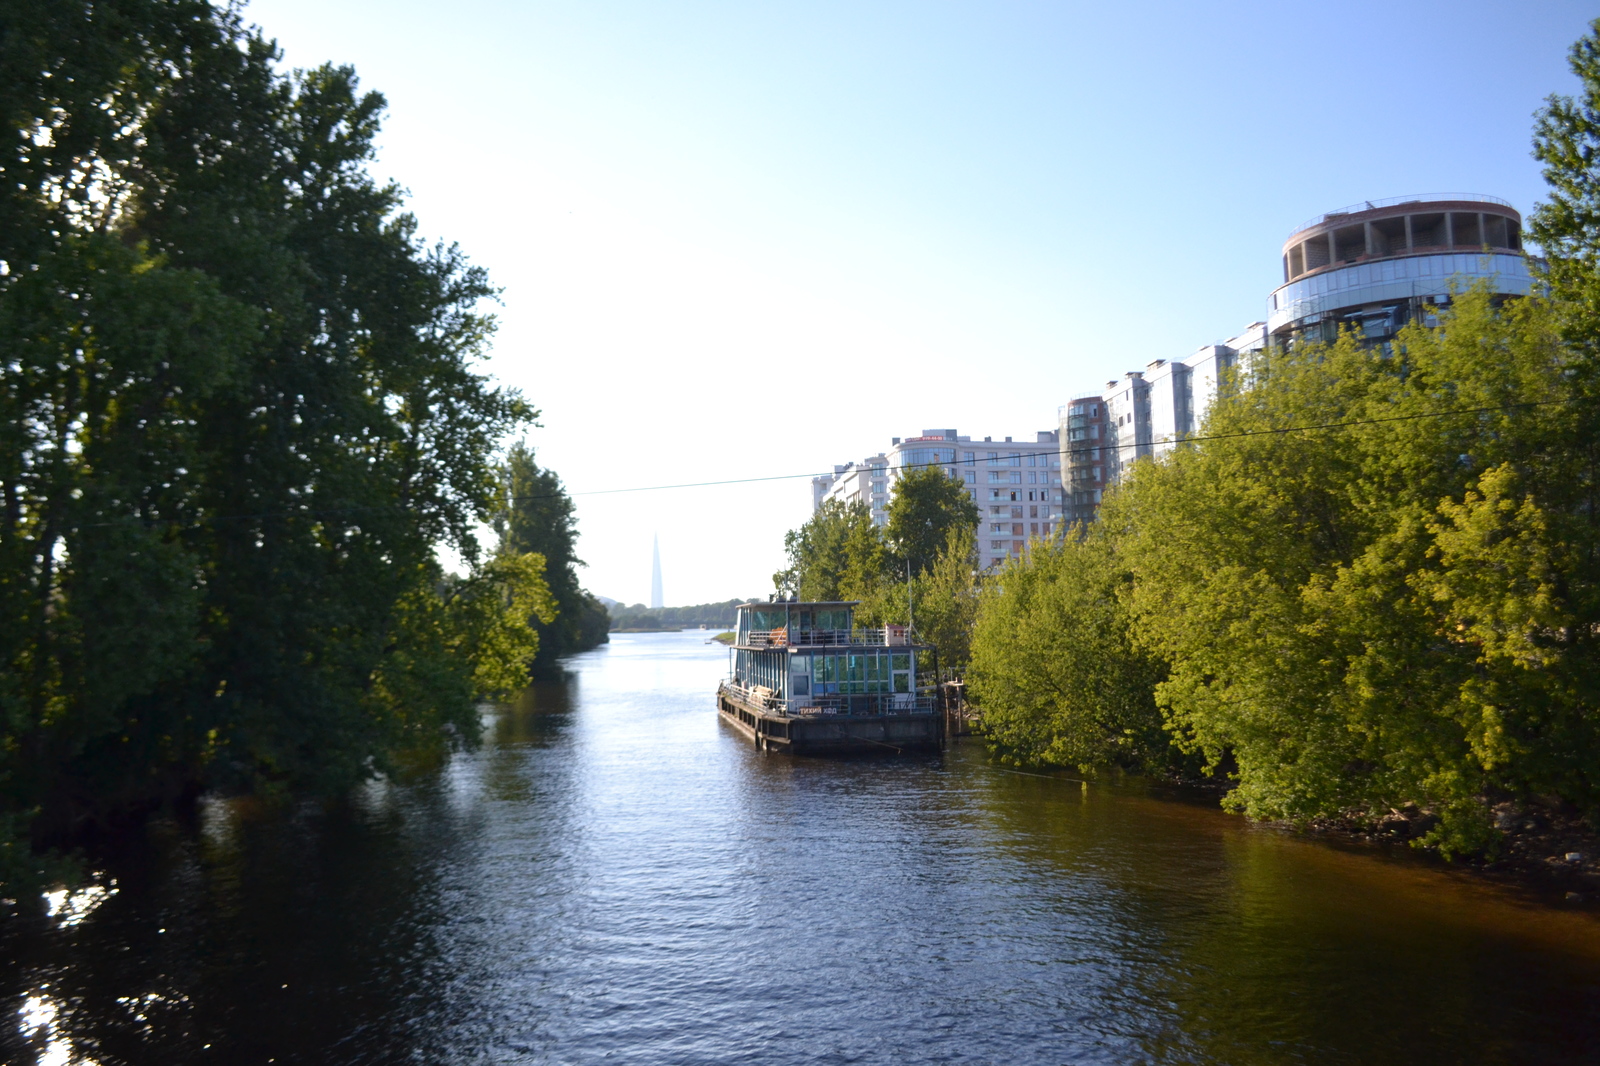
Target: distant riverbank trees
(240,411)
(1377,585)
(640,617)
(535,515)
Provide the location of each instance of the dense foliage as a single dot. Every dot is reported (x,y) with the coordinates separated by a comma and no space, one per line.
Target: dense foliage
(536,515)
(918,568)
(239,413)
(1055,664)
(1401,607)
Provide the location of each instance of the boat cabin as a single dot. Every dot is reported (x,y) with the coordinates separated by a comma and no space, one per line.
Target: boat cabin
(805,658)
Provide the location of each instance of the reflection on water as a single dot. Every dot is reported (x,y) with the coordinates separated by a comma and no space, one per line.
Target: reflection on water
(615,875)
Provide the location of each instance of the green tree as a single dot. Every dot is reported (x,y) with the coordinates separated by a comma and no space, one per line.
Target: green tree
(926,505)
(1396,611)
(240,411)
(453,642)
(536,515)
(838,554)
(1567,224)
(1054,666)
(944,600)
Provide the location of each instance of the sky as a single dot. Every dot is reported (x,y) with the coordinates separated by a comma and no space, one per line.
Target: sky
(750,240)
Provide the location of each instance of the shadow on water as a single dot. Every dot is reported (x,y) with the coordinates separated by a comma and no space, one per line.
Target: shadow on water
(616,875)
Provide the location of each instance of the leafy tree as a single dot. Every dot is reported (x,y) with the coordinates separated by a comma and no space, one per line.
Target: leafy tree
(1054,664)
(1397,611)
(838,554)
(240,411)
(926,505)
(841,554)
(944,599)
(1567,224)
(537,516)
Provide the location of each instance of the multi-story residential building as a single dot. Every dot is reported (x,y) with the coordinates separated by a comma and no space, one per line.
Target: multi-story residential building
(1016,484)
(1375,266)
(1371,268)
(864,482)
(1086,455)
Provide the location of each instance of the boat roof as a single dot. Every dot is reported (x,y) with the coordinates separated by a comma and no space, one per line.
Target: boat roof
(802,603)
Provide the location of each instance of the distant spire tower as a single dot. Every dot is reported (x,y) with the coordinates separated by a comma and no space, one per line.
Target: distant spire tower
(655,575)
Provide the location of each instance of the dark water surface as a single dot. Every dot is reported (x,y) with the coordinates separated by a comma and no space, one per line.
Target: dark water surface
(617,877)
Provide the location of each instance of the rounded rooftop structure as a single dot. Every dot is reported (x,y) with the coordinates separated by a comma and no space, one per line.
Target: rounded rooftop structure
(1375,265)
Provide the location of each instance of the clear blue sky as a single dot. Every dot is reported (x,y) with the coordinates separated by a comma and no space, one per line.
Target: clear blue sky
(744,239)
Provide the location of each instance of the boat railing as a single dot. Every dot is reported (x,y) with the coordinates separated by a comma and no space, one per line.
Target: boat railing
(867,706)
(870,705)
(794,636)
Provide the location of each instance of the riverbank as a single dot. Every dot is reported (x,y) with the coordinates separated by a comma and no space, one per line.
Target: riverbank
(1546,849)
(1547,852)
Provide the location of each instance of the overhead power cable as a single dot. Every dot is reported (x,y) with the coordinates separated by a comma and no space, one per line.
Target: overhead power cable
(1101,446)
(975,461)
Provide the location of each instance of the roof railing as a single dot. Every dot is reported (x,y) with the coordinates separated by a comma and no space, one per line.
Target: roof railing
(1395,201)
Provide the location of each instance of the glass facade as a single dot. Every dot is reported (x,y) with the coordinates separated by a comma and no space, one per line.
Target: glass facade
(1395,279)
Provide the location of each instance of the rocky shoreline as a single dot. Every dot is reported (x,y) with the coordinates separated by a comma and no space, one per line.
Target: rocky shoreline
(1547,850)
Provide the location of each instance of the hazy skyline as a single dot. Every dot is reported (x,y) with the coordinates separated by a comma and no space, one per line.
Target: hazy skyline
(739,241)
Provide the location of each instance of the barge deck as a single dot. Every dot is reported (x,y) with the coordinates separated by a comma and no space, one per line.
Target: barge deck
(824,730)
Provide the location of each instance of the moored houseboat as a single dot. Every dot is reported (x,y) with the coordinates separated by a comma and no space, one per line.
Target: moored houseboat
(803,678)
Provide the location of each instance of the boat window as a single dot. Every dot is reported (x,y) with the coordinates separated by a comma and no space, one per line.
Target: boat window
(835,619)
(770,619)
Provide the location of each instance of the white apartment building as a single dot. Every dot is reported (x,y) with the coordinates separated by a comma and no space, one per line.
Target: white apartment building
(1016,484)
(864,482)
(1146,413)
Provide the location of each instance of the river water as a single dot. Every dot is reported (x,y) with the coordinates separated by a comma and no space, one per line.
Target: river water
(617,877)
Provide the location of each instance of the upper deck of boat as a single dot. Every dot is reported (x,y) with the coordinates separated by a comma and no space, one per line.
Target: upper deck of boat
(794,624)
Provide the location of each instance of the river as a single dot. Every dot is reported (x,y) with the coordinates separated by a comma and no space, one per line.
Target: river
(615,876)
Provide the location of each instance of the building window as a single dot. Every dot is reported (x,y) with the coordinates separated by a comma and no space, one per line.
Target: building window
(1016,477)
(994,458)
(968,456)
(1016,458)
(997,545)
